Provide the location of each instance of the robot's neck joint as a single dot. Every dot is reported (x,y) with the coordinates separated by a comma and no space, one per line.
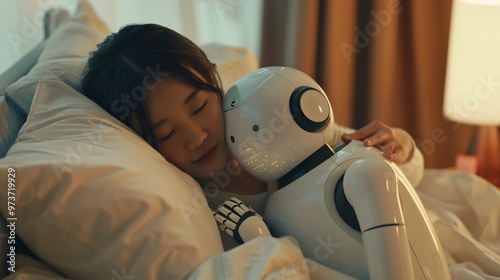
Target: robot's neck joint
(319,156)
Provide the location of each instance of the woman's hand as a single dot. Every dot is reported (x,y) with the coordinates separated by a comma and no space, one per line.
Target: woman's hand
(395,143)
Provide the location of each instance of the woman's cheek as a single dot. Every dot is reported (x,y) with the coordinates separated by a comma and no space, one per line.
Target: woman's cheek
(170,154)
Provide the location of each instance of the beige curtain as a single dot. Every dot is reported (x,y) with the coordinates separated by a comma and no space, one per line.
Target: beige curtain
(377,60)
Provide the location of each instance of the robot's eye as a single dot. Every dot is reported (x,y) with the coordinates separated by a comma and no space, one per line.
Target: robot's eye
(310,109)
(232,139)
(255,127)
(233,103)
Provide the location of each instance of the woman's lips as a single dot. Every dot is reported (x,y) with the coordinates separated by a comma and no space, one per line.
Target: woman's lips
(208,156)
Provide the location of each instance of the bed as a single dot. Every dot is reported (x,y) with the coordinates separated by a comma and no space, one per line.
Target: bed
(91,200)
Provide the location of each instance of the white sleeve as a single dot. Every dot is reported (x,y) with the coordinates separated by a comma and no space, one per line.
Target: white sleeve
(414,168)
(260,258)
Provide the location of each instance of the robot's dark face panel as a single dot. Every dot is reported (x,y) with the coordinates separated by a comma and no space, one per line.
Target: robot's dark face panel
(310,109)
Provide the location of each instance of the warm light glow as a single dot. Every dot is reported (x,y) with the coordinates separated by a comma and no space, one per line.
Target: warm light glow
(472,92)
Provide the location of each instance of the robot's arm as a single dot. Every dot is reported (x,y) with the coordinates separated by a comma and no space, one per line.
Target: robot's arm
(371,187)
(240,221)
(243,223)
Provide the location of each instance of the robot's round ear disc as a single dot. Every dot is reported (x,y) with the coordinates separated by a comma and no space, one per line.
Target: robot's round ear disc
(309,108)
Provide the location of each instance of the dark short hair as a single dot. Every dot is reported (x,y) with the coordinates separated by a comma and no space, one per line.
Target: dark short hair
(127,64)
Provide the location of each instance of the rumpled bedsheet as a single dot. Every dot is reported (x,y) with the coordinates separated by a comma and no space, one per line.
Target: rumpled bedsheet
(465,212)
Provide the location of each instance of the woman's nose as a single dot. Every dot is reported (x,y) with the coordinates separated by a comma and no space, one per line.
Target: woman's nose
(196,135)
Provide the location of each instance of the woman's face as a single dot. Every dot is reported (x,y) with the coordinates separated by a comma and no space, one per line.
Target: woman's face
(189,127)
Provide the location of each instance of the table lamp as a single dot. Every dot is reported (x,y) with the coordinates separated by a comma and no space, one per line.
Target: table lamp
(472,88)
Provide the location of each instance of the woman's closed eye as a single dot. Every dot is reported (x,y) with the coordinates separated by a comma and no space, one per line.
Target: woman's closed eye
(195,112)
(200,108)
(167,136)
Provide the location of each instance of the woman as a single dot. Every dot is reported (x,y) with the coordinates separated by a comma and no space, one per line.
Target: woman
(162,85)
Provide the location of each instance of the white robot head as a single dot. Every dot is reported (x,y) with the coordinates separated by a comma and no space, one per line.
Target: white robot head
(275,117)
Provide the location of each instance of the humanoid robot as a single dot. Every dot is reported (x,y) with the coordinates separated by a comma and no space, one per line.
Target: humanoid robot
(349,208)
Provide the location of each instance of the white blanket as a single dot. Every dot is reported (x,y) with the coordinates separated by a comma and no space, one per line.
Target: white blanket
(465,211)
(464,208)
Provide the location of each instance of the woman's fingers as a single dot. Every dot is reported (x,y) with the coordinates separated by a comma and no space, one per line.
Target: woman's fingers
(393,151)
(364,132)
(381,136)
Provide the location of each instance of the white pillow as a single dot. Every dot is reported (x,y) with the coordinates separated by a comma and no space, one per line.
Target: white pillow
(94,200)
(11,121)
(65,54)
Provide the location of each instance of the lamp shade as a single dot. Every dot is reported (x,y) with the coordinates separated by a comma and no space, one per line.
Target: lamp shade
(472,88)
